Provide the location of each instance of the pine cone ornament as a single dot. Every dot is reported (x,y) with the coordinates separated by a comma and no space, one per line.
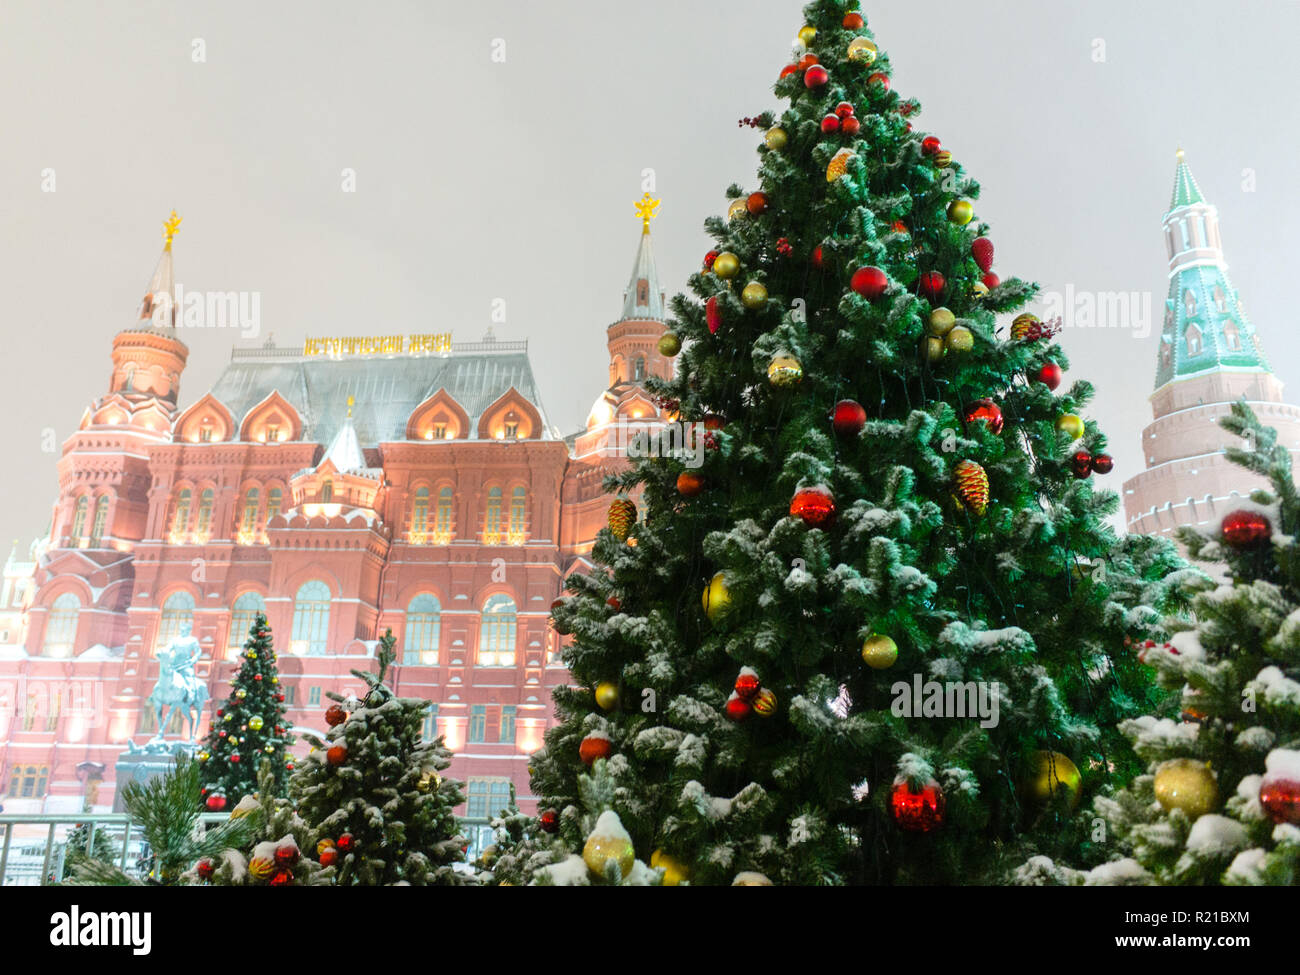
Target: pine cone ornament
(622,516)
(972,486)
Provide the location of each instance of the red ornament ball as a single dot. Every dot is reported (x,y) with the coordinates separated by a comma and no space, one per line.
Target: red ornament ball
(234,757)
(816,76)
(337,754)
(848,418)
(1280,798)
(205,868)
(613,603)
(756,203)
(286,854)
(1246,529)
(279,698)
(917,811)
(328,857)
(345,843)
(334,714)
(709,258)
(1050,375)
(930,145)
(931,284)
(870,282)
(549,820)
(788,70)
(747,685)
(990,280)
(850,126)
(737,708)
(831,123)
(594,747)
(1102,463)
(689,484)
(216,802)
(815,506)
(1081,464)
(981,248)
(986,410)
(879,78)
(807,61)
(853,21)
(712,315)
(844,109)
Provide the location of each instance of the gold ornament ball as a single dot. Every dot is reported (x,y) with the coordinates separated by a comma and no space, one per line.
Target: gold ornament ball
(960,212)
(1187,784)
(754,296)
(934,350)
(726,264)
(806,34)
(737,209)
(251,655)
(669,344)
(1071,424)
(675,872)
(488,855)
(607,695)
(717,597)
(862,50)
(942,159)
(941,322)
(1052,773)
(776,138)
(879,651)
(204,756)
(764,703)
(255,722)
(259,868)
(600,850)
(241,693)
(959,339)
(784,370)
(751,878)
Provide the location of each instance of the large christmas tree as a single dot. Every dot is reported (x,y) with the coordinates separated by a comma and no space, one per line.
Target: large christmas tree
(373,791)
(875,636)
(1220,802)
(248,729)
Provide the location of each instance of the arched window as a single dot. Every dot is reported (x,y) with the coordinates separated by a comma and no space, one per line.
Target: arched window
(128,376)
(248,523)
(1231,337)
(242,614)
(97,523)
(28,782)
(61,626)
(181,515)
(327,492)
(638,372)
(273,498)
(443,522)
(496,634)
(1220,299)
(518,515)
(420,638)
(311,619)
(1189,301)
(492,523)
(1193,339)
(205,515)
(79,518)
(420,515)
(178,609)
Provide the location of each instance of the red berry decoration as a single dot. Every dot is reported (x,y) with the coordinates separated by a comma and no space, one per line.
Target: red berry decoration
(917,810)
(981,248)
(814,505)
(594,746)
(345,843)
(1081,464)
(747,685)
(1246,529)
(930,145)
(549,820)
(1050,375)
(335,714)
(844,109)
(816,76)
(848,418)
(831,123)
(931,284)
(205,868)
(337,754)
(991,280)
(879,78)
(737,708)
(1102,463)
(216,802)
(870,282)
(709,258)
(756,203)
(279,698)
(1280,798)
(850,126)
(986,410)
(712,316)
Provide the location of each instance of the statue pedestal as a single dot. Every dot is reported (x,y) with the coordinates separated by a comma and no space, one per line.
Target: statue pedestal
(140,763)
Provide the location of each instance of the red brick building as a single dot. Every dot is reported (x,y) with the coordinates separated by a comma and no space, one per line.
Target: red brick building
(343,488)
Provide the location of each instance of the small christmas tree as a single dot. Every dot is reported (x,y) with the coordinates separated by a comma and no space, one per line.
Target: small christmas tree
(1220,803)
(374,793)
(518,847)
(248,730)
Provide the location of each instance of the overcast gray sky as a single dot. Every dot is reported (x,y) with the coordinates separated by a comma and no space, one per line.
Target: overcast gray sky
(479,180)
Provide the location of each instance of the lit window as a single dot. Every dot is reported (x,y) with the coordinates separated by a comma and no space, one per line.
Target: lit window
(1193,340)
(311,619)
(181,514)
(249,523)
(28,781)
(273,498)
(420,645)
(313,697)
(420,515)
(512,429)
(79,518)
(429,730)
(205,514)
(492,523)
(178,609)
(518,515)
(486,797)
(272,432)
(242,614)
(507,735)
(99,521)
(496,637)
(443,523)
(61,626)
(638,373)
(477,724)
(327,492)
(439,431)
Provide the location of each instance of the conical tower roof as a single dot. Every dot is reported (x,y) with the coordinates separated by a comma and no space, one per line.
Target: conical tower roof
(644,299)
(345,450)
(158,306)
(1186,192)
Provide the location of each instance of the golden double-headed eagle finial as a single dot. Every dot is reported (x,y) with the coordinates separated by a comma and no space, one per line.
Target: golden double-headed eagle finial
(645,209)
(170,226)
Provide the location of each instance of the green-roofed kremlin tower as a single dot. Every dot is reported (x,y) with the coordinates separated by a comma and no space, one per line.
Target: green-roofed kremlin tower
(1209,356)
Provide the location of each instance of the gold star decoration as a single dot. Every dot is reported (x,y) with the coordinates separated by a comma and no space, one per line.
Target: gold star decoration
(645,209)
(170,226)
